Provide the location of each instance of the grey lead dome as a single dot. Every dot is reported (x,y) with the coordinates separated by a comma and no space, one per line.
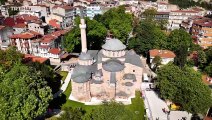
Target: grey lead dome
(113,45)
(85,56)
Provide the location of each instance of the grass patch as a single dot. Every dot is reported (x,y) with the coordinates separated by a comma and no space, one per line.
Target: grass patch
(137,107)
(63,74)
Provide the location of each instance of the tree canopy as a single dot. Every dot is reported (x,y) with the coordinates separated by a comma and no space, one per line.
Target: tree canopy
(96,33)
(177,38)
(119,23)
(191,3)
(72,114)
(111,111)
(24,94)
(147,36)
(185,87)
(24,90)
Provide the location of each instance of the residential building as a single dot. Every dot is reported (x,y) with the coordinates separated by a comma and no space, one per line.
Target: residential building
(202,30)
(4,39)
(176,17)
(187,24)
(94,9)
(23,41)
(38,10)
(128,2)
(159,16)
(111,73)
(38,26)
(19,28)
(64,14)
(165,55)
(47,46)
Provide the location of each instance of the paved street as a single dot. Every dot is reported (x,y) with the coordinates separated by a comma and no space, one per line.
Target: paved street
(154,106)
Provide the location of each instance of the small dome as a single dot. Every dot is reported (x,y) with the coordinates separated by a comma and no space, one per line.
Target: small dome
(81,74)
(113,65)
(113,45)
(85,56)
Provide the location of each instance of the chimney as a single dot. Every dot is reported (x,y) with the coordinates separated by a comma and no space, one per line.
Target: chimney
(83,32)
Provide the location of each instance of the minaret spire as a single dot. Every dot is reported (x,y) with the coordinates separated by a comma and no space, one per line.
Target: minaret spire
(83,32)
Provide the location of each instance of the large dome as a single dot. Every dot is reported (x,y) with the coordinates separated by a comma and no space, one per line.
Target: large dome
(113,65)
(113,45)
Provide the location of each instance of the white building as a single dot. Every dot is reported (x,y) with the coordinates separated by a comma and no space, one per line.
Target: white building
(94,9)
(4,39)
(176,17)
(37,26)
(19,28)
(37,10)
(165,55)
(64,14)
(128,2)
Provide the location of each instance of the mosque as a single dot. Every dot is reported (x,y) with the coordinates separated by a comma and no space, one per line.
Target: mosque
(111,73)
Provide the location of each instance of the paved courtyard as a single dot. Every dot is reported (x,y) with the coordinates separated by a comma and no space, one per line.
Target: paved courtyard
(154,106)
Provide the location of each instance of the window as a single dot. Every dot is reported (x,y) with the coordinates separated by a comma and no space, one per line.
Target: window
(133,70)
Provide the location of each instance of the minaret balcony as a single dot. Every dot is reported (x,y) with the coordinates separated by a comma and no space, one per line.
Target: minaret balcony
(82,26)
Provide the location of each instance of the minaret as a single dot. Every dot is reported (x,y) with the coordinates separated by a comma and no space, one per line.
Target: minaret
(83,33)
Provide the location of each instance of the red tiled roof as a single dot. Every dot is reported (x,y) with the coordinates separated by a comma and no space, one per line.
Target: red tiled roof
(20,25)
(33,32)
(66,7)
(162,53)
(159,13)
(9,21)
(34,58)
(27,17)
(54,51)
(56,33)
(54,23)
(48,38)
(22,36)
(185,11)
(2,27)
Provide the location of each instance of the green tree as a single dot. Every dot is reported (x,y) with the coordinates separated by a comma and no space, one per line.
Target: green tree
(111,111)
(201,57)
(2,2)
(185,87)
(72,114)
(48,74)
(12,12)
(96,33)
(181,56)
(208,69)
(10,57)
(24,94)
(156,61)
(117,22)
(72,39)
(149,14)
(147,36)
(178,38)
(208,53)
